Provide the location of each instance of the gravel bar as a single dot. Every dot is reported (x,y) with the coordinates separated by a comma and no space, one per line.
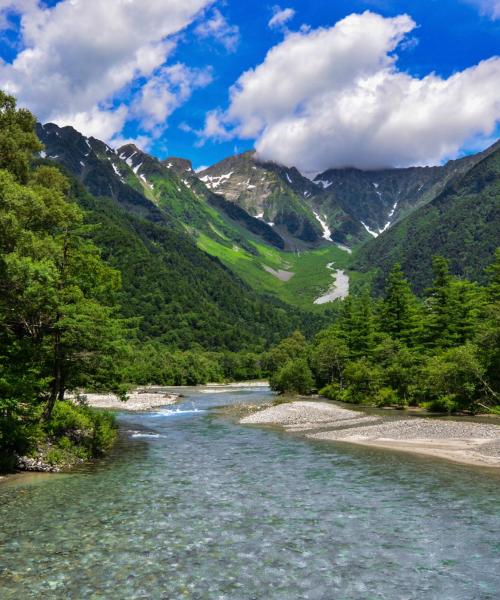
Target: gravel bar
(455,440)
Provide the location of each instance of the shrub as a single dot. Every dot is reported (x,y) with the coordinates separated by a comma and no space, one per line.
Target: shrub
(443,404)
(386,396)
(332,391)
(454,375)
(80,431)
(294,377)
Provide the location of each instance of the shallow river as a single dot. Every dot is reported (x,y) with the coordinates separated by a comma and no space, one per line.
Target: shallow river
(192,505)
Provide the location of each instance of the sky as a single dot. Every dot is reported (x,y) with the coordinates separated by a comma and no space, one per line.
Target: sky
(308,83)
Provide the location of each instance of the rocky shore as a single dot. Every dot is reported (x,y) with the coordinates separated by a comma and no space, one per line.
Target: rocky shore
(460,441)
(138,400)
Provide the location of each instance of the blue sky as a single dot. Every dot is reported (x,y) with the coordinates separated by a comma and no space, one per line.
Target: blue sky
(205,48)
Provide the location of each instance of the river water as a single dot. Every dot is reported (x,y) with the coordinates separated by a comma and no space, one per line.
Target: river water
(192,505)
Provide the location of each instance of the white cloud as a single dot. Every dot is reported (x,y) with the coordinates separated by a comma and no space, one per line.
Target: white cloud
(218,28)
(99,123)
(8,8)
(489,8)
(334,97)
(80,55)
(166,91)
(214,127)
(280,17)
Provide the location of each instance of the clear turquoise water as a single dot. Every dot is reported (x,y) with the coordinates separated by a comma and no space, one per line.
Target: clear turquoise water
(191,505)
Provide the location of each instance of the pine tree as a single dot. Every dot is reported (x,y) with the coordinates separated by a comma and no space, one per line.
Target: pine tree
(399,314)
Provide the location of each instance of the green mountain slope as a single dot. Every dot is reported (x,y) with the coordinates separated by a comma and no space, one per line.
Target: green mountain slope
(462,224)
(261,191)
(184,297)
(170,192)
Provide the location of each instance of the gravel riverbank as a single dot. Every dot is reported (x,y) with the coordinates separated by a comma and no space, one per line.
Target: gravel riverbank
(459,441)
(138,400)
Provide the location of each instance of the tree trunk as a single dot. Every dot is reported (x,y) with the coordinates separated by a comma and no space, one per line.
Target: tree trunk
(55,391)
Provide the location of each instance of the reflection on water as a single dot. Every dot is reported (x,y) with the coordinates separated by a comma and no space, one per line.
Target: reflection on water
(190,505)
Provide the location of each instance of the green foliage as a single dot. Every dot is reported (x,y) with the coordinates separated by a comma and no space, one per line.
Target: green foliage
(329,356)
(454,373)
(460,224)
(442,404)
(334,391)
(289,349)
(386,396)
(58,324)
(399,316)
(442,352)
(78,432)
(294,377)
(18,140)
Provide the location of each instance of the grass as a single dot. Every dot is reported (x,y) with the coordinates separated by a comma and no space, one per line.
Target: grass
(311,275)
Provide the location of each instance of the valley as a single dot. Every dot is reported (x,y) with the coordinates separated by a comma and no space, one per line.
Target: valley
(249,300)
(272,227)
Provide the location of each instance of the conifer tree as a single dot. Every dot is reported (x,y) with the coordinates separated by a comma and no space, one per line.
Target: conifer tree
(399,314)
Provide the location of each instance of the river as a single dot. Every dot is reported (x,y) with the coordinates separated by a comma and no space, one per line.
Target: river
(191,504)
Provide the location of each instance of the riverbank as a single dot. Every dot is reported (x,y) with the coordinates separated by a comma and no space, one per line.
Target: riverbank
(459,441)
(142,399)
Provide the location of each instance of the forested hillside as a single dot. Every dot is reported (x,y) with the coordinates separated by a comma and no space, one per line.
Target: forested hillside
(441,352)
(149,221)
(462,224)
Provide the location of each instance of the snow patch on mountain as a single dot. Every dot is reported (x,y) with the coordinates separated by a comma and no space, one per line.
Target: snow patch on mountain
(214,181)
(327,234)
(370,231)
(325,184)
(339,289)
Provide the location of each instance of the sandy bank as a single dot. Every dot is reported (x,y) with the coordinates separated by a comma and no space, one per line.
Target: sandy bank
(139,400)
(459,441)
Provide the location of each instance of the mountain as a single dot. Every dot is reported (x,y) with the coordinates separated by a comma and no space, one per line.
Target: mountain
(143,214)
(378,199)
(462,223)
(260,191)
(281,233)
(347,206)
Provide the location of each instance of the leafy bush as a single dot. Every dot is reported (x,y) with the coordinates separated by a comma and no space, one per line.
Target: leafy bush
(455,373)
(79,432)
(386,396)
(443,404)
(333,391)
(294,377)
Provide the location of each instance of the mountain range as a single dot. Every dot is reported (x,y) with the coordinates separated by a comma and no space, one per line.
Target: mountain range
(273,235)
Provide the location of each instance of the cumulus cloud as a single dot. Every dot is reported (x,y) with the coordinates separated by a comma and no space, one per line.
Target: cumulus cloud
(489,8)
(218,28)
(334,97)
(166,91)
(78,56)
(214,128)
(280,17)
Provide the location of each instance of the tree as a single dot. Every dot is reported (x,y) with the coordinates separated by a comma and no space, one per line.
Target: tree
(487,331)
(363,380)
(458,375)
(57,297)
(288,349)
(441,304)
(294,377)
(329,357)
(357,324)
(399,314)
(493,273)
(18,140)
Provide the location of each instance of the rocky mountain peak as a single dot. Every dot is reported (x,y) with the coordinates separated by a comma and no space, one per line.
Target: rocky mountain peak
(178,165)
